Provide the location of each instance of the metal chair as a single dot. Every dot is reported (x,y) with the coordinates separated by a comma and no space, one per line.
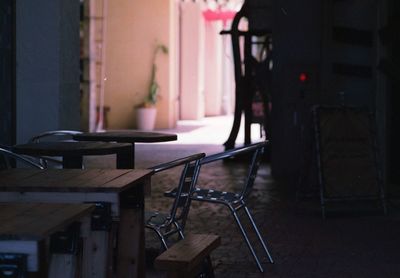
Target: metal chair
(53,135)
(9,159)
(236,201)
(173,223)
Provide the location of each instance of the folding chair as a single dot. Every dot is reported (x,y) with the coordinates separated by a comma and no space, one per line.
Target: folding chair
(236,201)
(173,223)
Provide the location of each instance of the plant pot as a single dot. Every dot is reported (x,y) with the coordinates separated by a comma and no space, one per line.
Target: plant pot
(146,118)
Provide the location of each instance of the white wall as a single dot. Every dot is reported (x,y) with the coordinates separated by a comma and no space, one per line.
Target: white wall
(192,63)
(133,30)
(213,75)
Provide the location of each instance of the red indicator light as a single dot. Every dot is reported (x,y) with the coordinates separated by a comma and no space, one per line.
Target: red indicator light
(303,77)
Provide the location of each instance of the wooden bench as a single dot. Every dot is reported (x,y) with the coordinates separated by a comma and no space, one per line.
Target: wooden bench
(186,257)
(24,232)
(122,190)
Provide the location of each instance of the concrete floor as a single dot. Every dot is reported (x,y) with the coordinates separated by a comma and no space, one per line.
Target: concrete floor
(354,243)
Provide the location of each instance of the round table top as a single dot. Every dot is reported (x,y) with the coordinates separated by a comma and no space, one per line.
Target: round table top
(62,148)
(126,136)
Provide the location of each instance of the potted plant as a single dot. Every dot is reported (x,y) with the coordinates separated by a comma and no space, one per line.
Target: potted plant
(146,112)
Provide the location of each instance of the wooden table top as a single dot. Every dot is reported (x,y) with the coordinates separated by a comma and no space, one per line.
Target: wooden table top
(126,136)
(36,221)
(71,180)
(61,148)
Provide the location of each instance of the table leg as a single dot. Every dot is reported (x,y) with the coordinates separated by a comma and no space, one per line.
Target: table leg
(131,241)
(125,158)
(95,252)
(62,266)
(72,162)
(65,252)
(133,155)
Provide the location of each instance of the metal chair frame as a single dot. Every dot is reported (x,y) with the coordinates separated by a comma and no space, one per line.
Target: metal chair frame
(44,160)
(50,133)
(11,155)
(236,201)
(168,224)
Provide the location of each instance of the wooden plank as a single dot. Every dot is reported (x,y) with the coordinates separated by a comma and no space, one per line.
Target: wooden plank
(17,220)
(131,253)
(83,178)
(188,253)
(67,214)
(95,251)
(62,266)
(69,179)
(8,212)
(63,197)
(37,221)
(11,176)
(42,178)
(72,180)
(110,175)
(96,178)
(129,179)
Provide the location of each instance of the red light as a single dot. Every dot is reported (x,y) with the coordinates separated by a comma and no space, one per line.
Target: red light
(303,77)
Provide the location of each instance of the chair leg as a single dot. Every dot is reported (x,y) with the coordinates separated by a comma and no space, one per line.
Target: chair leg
(247,240)
(178,227)
(258,234)
(160,236)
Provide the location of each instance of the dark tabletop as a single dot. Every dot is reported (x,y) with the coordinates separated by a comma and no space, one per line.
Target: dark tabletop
(126,136)
(61,148)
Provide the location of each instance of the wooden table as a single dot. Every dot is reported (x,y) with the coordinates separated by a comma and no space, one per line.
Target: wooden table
(24,228)
(127,136)
(73,152)
(123,190)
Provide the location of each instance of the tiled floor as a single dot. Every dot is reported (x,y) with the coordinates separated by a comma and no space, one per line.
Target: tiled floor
(350,244)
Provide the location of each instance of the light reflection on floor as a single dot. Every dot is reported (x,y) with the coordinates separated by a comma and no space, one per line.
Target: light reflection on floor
(210,130)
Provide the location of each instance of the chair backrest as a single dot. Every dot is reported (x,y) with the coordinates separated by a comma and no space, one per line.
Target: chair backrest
(9,159)
(254,153)
(188,178)
(54,135)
